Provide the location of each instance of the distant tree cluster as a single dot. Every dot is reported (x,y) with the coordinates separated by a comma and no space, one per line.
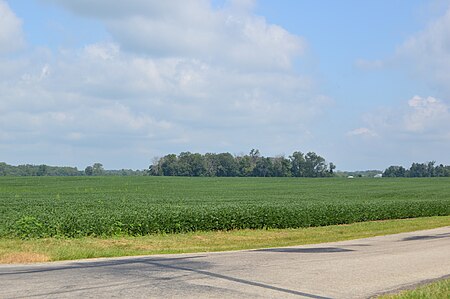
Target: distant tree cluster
(37,170)
(251,165)
(97,169)
(45,170)
(418,170)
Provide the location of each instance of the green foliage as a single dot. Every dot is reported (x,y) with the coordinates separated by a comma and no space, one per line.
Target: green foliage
(46,170)
(37,170)
(418,170)
(29,227)
(89,170)
(251,165)
(34,207)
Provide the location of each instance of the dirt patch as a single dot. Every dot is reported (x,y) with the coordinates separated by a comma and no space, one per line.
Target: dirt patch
(144,247)
(200,238)
(23,257)
(113,243)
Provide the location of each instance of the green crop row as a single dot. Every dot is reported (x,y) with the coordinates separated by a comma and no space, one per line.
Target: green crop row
(75,208)
(166,219)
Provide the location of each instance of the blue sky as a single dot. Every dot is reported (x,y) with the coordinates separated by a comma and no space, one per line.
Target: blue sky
(366,84)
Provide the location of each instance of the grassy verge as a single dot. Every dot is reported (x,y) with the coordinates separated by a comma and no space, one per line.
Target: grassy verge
(436,290)
(56,249)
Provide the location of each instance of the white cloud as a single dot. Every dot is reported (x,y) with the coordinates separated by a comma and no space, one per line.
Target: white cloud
(419,119)
(425,115)
(230,35)
(429,52)
(425,55)
(419,128)
(176,76)
(362,132)
(11,35)
(416,131)
(102,99)
(102,51)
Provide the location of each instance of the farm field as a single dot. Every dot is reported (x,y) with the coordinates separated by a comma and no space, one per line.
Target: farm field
(41,207)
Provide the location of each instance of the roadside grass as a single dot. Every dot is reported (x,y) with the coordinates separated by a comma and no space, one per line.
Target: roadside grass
(436,290)
(56,249)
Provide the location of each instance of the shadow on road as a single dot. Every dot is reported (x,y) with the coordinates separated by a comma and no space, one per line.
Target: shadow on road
(239,280)
(416,238)
(306,250)
(136,268)
(84,265)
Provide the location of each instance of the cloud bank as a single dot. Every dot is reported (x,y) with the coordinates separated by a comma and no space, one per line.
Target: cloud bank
(428,53)
(11,35)
(175,76)
(418,127)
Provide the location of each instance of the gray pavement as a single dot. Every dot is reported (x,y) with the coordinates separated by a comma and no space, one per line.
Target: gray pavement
(350,269)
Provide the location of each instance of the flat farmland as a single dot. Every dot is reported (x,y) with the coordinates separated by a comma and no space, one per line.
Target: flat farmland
(41,207)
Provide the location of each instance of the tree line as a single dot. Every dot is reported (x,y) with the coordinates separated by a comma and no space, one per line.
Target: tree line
(227,165)
(418,170)
(45,170)
(252,165)
(37,170)
(97,170)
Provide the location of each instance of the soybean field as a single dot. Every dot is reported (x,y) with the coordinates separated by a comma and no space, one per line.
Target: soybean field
(40,207)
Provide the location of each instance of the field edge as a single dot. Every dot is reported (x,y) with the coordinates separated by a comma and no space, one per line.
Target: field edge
(17,251)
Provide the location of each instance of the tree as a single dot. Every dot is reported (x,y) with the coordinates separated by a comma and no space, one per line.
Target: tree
(281,167)
(263,167)
(297,164)
(198,167)
(210,163)
(88,170)
(315,165)
(189,164)
(430,168)
(97,169)
(155,168)
(184,167)
(226,165)
(3,169)
(332,168)
(169,165)
(245,165)
(254,154)
(442,171)
(253,164)
(42,170)
(395,171)
(418,170)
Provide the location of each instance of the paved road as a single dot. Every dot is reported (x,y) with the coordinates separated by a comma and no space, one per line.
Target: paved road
(349,269)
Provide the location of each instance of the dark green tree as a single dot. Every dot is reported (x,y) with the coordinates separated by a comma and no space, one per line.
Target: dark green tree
(169,165)
(263,167)
(395,171)
(89,171)
(298,164)
(42,170)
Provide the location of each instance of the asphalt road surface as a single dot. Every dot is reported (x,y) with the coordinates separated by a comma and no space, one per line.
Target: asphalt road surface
(350,269)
